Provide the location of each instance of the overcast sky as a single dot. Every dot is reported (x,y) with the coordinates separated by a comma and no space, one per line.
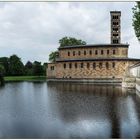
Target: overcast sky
(32,30)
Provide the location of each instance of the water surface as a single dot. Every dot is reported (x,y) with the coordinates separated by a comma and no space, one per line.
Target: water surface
(68,110)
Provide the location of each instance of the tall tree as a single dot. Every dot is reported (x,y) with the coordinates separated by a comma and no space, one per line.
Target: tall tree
(53,56)
(37,68)
(69,41)
(16,66)
(29,68)
(136,19)
(4,61)
(2,70)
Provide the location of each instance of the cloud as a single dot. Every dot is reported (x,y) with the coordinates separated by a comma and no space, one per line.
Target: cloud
(32,29)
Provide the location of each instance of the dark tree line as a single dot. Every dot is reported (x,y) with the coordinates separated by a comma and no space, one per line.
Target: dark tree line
(13,66)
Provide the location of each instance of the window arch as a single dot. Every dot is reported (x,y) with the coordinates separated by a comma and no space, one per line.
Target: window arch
(114,51)
(68,53)
(81,65)
(88,65)
(96,52)
(94,65)
(84,52)
(113,64)
(100,65)
(102,52)
(107,51)
(64,66)
(70,65)
(90,52)
(107,65)
(75,65)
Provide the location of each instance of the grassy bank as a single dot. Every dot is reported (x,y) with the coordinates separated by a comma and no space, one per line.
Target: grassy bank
(24,78)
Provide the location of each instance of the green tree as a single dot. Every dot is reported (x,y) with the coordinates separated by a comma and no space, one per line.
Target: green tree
(16,66)
(53,56)
(136,19)
(69,41)
(37,68)
(29,68)
(45,65)
(2,70)
(5,62)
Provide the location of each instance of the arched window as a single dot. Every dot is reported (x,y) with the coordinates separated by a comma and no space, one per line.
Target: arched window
(84,52)
(73,53)
(94,65)
(88,65)
(64,66)
(113,64)
(107,65)
(68,53)
(90,52)
(102,52)
(114,52)
(76,65)
(81,65)
(100,65)
(107,51)
(96,52)
(70,65)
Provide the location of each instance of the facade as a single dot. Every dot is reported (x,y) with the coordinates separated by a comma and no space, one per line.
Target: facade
(98,61)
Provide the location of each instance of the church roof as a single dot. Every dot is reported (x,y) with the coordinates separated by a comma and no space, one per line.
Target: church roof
(94,45)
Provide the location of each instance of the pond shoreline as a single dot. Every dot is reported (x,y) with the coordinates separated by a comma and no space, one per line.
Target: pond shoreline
(24,78)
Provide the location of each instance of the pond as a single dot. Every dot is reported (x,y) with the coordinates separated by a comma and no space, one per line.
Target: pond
(68,110)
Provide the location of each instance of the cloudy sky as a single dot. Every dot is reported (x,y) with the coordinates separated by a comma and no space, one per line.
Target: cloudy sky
(32,29)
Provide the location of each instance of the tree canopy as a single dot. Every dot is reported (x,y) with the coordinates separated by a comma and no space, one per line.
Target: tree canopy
(53,56)
(13,66)
(16,66)
(136,20)
(69,41)
(2,70)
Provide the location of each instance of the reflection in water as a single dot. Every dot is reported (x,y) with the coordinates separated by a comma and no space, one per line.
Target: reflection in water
(68,110)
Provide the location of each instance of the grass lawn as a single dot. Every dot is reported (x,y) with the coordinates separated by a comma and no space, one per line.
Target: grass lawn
(24,78)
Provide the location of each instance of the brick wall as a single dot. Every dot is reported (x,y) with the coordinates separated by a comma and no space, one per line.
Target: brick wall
(91,52)
(88,71)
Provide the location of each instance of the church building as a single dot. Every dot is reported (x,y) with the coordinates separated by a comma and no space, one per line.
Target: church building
(95,61)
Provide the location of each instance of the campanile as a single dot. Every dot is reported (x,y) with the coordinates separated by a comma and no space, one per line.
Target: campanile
(115,27)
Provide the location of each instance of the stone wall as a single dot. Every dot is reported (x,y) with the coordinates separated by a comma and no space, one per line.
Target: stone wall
(88,71)
(91,52)
(51,70)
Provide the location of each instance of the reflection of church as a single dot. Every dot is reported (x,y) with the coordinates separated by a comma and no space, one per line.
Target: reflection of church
(96,111)
(95,61)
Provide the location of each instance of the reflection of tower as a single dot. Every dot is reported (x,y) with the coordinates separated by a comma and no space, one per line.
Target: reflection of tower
(115,27)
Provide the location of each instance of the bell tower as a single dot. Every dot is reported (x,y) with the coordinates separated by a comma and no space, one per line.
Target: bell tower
(115,27)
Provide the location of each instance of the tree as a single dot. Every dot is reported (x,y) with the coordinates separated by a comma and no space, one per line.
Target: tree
(4,61)
(16,66)
(136,20)
(45,65)
(69,41)
(53,56)
(29,68)
(37,68)
(2,70)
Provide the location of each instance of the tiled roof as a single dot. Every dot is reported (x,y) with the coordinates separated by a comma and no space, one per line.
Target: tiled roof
(94,45)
